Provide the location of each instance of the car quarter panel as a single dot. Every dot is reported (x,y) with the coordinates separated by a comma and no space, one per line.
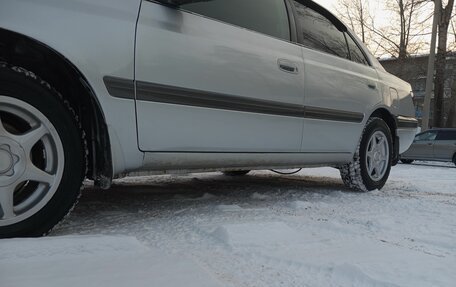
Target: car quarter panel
(340,85)
(98,38)
(397,96)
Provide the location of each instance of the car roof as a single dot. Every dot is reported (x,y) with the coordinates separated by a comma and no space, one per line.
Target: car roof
(444,129)
(437,130)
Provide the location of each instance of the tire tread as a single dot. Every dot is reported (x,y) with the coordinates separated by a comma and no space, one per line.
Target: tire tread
(34,77)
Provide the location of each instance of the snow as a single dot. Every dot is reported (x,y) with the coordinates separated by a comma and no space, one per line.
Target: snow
(94,261)
(256,235)
(259,230)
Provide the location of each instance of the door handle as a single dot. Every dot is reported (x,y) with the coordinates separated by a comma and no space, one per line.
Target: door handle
(430,143)
(372,86)
(287,66)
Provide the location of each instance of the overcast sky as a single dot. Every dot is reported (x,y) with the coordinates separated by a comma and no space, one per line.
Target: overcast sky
(382,15)
(377,7)
(328,4)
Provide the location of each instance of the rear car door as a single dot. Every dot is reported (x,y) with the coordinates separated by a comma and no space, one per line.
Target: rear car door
(445,145)
(218,76)
(340,85)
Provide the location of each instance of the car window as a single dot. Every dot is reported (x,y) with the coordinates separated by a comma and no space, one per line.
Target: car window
(427,136)
(265,16)
(319,33)
(446,135)
(356,54)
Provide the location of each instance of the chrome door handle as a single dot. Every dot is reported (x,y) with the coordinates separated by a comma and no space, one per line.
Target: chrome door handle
(287,66)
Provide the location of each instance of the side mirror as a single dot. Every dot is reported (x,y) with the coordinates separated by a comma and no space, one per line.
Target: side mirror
(180,2)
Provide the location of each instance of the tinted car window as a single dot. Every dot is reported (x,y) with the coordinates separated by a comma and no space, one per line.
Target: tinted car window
(356,54)
(446,135)
(265,16)
(427,136)
(319,33)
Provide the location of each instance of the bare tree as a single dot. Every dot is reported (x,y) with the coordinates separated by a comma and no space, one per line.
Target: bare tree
(452,35)
(451,120)
(357,14)
(440,65)
(401,38)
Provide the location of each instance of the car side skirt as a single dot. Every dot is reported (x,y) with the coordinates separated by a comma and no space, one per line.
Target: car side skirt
(172,162)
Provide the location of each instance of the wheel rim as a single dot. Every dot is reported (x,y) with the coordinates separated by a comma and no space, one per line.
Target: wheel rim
(377,156)
(31,160)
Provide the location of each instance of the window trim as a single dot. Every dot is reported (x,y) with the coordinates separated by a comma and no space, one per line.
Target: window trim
(369,63)
(292,32)
(320,9)
(335,21)
(292,22)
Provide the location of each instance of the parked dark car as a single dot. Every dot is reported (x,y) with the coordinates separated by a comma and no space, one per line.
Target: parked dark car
(435,145)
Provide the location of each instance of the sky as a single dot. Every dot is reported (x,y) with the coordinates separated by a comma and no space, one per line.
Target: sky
(377,6)
(328,4)
(382,17)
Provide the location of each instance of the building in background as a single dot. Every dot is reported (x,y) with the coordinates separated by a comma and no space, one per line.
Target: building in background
(413,70)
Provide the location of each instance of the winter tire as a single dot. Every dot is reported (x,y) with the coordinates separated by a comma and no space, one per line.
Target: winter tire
(236,172)
(372,162)
(42,155)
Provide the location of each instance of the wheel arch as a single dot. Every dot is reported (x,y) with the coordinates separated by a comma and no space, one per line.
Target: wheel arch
(64,76)
(390,120)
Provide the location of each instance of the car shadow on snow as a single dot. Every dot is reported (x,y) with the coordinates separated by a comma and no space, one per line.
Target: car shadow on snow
(135,200)
(197,185)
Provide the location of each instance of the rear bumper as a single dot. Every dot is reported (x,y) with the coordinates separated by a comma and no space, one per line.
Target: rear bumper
(406,122)
(407,128)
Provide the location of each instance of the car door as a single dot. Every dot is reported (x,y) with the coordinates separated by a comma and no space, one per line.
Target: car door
(423,146)
(340,85)
(445,145)
(210,77)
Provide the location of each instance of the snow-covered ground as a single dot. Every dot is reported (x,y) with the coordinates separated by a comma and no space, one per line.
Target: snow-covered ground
(259,230)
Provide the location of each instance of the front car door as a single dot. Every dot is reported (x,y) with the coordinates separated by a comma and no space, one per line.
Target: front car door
(340,85)
(422,147)
(210,77)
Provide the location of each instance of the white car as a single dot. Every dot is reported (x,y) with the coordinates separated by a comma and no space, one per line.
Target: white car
(100,88)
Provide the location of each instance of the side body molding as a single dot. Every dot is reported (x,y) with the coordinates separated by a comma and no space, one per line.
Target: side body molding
(151,92)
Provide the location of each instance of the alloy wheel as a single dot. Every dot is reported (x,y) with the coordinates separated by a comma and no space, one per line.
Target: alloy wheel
(31,160)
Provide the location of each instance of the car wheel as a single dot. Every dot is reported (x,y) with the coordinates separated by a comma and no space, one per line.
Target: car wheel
(372,162)
(236,172)
(42,154)
(407,161)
